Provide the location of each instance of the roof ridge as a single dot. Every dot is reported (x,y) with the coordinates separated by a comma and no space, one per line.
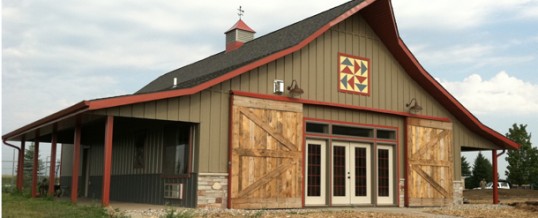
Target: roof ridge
(222,62)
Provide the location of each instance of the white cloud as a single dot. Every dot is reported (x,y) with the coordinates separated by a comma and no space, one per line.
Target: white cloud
(460,14)
(55,55)
(475,55)
(502,94)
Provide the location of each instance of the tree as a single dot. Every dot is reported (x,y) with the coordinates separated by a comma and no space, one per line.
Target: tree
(482,169)
(523,163)
(29,164)
(466,171)
(465,167)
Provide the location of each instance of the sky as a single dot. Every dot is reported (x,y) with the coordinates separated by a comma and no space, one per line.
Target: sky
(57,54)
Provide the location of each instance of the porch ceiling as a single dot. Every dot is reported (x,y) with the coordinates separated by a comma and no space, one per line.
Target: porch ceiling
(93,128)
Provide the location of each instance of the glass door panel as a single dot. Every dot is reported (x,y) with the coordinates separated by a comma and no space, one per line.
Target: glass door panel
(350,173)
(385,177)
(315,172)
(361,174)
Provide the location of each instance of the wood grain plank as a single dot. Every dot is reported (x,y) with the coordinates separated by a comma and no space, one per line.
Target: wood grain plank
(267,104)
(273,132)
(431,181)
(266,153)
(427,146)
(265,179)
(430,123)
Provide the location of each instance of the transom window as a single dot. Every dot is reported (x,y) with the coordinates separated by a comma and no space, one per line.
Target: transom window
(350,130)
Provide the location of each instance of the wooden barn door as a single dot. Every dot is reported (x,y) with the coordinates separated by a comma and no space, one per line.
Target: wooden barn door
(266,152)
(430,162)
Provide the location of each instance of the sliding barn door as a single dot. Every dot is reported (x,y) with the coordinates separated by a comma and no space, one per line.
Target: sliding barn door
(266,169)
(430,162)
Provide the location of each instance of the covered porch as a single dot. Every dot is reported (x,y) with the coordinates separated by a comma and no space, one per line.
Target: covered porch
(82,131)
(495,154)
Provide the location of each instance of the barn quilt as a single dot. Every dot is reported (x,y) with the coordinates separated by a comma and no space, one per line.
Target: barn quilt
(353,74)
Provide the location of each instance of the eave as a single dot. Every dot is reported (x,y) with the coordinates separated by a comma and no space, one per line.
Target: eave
(378,14)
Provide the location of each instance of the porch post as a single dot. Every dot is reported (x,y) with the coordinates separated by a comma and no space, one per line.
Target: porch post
(52,170)
(36,166)
(109,131)
(20,170)
(76,163)
(495,177)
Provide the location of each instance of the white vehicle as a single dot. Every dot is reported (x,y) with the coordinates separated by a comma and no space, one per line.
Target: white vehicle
(501,185)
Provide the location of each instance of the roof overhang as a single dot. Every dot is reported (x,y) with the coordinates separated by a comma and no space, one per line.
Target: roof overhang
(46,121)
(380,16)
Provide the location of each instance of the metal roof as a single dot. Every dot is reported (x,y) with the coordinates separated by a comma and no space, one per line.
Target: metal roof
(224,62)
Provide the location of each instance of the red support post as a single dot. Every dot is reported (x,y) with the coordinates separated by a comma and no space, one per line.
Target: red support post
(76,163)
(109,132)
(495,177)
(52,170)
(20,170)
(36,164)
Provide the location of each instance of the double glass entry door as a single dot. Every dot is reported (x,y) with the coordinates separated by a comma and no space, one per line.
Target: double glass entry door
(351,173)
(350,170)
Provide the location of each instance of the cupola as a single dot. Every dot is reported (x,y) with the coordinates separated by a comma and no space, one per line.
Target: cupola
(239,34)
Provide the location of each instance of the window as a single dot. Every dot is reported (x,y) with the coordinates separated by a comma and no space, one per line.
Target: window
(314,170)
(386,134)
(317,128)
(352,131)
(383,172)
(339,171)
(173,190)
(177,149)
(361,169)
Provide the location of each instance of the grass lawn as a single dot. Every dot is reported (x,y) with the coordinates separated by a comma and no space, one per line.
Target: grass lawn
(17,205)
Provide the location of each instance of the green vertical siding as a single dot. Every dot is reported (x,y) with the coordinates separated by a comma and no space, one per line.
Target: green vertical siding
(315,69)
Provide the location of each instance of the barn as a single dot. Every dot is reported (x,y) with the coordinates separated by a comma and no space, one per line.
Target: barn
(333,110)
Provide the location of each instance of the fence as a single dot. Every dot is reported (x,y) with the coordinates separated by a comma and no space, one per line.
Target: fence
(9,171)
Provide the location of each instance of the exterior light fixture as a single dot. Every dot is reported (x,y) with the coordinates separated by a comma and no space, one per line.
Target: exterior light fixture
(415,108)
(294,89)
(278,87)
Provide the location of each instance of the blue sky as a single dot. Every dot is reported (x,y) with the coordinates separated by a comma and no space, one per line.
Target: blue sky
(55,55)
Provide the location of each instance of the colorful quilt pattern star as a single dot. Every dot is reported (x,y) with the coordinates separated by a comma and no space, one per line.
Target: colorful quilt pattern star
(353,74)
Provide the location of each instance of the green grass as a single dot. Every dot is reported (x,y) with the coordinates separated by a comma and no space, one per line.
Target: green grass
(18,205)
(6,179)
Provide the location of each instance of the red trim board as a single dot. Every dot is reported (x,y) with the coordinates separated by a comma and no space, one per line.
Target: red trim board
(330,104)
(380,17)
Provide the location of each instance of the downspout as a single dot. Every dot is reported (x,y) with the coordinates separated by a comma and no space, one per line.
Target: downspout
(19,164)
